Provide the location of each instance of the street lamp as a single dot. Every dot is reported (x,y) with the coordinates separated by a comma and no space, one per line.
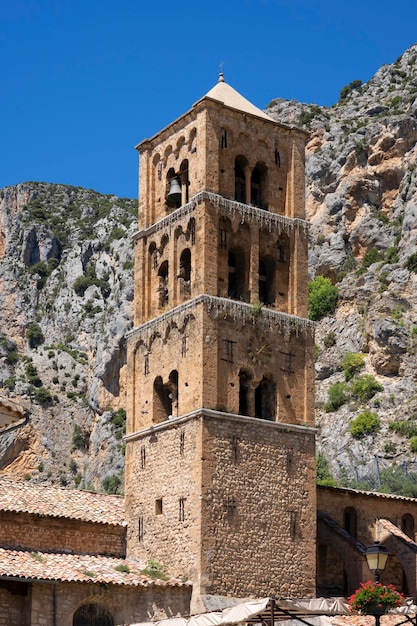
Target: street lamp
(376,557)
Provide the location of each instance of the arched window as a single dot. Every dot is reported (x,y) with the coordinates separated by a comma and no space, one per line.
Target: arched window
(185,181)
(267,280)
(240,184)
(407,525)
(236,275)
(163,284)
(162,401)
(350,521)
(244,403)
(185,265)
(92,615)
(265,394)
(258,184)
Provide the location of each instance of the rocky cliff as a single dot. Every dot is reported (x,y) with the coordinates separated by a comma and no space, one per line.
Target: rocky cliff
(362,204)
(66,289)
(66,293)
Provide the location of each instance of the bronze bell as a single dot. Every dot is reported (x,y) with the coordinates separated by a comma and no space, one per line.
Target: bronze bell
(174,193)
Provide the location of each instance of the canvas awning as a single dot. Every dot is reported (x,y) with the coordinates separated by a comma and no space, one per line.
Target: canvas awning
(267,611)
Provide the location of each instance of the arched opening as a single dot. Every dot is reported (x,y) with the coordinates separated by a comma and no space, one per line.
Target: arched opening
(244,384)
(350,521)
(258,186)
(184,275)
(407,525)
(162,401)
(267,280)
(173,183)
(185,181)
(163,284)
(236,275)
(240,184)
(172,386)
(185,264)
(92,615)
(265,394)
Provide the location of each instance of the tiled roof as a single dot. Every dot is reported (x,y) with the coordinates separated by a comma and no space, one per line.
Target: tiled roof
(379,494)
(50,501)
(75,568)
(397,532)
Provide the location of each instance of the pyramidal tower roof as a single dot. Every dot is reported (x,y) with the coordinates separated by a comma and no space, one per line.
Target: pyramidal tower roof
(224,93)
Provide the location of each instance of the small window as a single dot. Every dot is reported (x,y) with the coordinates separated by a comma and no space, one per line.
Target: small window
(143,457)
(224,139)
(140,528)
(158,506)
(223,238)
(146,364)
(182,442)
(181,514)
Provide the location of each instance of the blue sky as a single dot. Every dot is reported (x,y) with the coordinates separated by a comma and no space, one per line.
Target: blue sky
(83,81)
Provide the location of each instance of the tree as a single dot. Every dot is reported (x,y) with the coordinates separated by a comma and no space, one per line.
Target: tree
(322,297)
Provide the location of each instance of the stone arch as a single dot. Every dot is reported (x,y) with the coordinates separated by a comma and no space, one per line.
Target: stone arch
(266,278)
(259,186)
(185,265)
(180,143)
(192,140)
(407,525)
(265,398)
(245,385)
(350,520)
(167,152)
(163,278)
(164,243)
(241,163)
(236,284)
(92,614)
(185,181)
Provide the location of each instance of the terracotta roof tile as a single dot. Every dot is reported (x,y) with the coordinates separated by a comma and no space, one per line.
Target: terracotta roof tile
(50,501)
(75,568)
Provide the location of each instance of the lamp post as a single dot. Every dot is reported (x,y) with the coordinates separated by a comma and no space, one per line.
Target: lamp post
(376,557)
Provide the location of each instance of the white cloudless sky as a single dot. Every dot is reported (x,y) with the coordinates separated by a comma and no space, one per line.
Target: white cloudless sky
(83,81)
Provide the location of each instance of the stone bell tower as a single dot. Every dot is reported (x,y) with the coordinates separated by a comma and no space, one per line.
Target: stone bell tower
(220,463)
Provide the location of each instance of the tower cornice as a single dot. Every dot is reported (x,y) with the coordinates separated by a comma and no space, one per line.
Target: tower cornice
(230,208)
(241,312)
(219,415)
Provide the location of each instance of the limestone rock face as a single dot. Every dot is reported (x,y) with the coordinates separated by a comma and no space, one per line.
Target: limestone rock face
(66,266)
(362,204)
(66,284)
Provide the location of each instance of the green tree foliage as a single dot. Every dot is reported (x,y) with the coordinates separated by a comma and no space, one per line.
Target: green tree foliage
(365,387)
(42,396)
(34,335)
(364,424)
(405,428)
(411,263)
(112,484)
(337,396)
(324,476)
(347,89)
(322,297)
(395,480)
(352,363)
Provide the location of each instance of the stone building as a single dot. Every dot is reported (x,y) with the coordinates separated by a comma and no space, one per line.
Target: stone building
(220,360)
(220,461)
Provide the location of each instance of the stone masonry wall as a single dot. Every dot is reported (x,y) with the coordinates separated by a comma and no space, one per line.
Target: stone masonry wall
(163,496)
(30,532)
(259,509)
(126,605)
(248,519)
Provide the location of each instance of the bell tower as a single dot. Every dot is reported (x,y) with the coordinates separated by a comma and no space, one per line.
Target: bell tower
(220,462)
